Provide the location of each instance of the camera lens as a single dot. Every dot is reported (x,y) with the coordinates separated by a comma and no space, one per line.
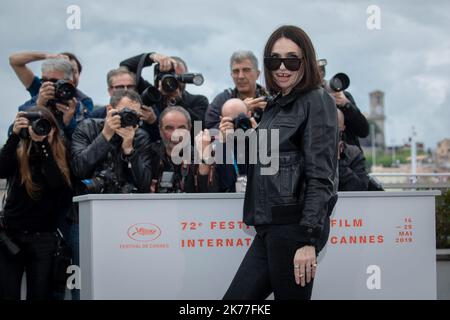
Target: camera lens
(41,127)
(169,83)
(128,118)
(242,122)
(64,90)
(198,80)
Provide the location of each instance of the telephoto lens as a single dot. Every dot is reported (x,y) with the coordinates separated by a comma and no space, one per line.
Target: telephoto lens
(339,82)
(64,90)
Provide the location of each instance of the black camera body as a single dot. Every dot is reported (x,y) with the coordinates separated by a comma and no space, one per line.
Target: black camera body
(39,125)
(170,81)
(151,96)
(64,92)
(105,181)
(242,122)
(128,117)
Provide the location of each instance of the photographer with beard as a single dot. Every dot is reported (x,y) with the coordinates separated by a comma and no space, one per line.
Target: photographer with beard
(173,170)
(112,155)
(34,161)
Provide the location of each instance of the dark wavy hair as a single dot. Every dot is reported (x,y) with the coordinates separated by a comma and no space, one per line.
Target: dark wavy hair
(311,77)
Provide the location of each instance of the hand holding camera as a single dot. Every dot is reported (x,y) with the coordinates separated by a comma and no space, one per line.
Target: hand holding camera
(32,125)
(46,93)
(341,99)
(127,134)
(21,122)
(67,110)
(242,121)
(148,115)
(112,123)
(165,63)
(55,91)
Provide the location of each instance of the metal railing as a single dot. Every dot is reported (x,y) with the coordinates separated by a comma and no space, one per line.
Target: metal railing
(414,181)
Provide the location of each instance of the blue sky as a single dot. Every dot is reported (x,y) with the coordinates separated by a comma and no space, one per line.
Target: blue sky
(408,58)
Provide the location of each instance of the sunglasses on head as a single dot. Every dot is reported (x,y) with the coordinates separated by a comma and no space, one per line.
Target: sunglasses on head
(274,63)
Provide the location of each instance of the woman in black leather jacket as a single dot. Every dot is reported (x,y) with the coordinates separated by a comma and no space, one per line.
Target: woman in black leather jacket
(290,209)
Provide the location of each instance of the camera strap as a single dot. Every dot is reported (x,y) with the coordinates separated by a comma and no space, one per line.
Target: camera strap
(139,69)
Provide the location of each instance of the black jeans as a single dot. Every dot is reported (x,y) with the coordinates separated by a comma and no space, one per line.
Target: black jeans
(35,258)
(268,266)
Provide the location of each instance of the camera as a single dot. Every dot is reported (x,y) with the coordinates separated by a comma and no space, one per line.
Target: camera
(105,182)
(170,81)
(128,117)
(167,182)
(64,91)
(242,122)
(39,125)
(338,83)
(150,96)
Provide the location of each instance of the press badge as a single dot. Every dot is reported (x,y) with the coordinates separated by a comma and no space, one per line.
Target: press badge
(241,183)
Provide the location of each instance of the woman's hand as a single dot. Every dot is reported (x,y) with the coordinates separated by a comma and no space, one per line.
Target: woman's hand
(20,123)
(305,265)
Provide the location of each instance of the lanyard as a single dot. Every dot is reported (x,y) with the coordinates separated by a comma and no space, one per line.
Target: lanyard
(236,168)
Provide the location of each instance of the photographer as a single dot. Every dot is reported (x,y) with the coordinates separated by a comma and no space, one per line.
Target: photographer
(352,166)
(195,104)
(113,153)
(123,79)
(356,123)
(35,163)
(244,72)
(32,83)
(58,93)
(232,173)
(170,176)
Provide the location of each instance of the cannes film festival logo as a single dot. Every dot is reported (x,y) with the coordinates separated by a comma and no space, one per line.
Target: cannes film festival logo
(144,232)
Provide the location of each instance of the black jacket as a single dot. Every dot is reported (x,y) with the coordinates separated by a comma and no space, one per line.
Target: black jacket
(356,124)
(91,154)
(352,170)
(304,190)
(21,211)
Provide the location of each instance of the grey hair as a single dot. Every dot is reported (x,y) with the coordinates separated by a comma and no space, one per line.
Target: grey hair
(239,56)
(179,109)
(179,60)
(118,95)
(119,71)
(61,65)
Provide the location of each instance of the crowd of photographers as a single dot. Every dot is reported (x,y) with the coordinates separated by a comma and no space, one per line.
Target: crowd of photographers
(59,147)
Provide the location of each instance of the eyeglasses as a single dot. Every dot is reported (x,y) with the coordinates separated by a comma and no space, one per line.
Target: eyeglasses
(274,63)
(125,87)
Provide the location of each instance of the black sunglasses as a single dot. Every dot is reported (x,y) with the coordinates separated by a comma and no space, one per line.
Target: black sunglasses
(274,63)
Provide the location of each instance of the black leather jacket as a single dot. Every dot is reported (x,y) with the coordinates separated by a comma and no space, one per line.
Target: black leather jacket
(91,154)
(304,190)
